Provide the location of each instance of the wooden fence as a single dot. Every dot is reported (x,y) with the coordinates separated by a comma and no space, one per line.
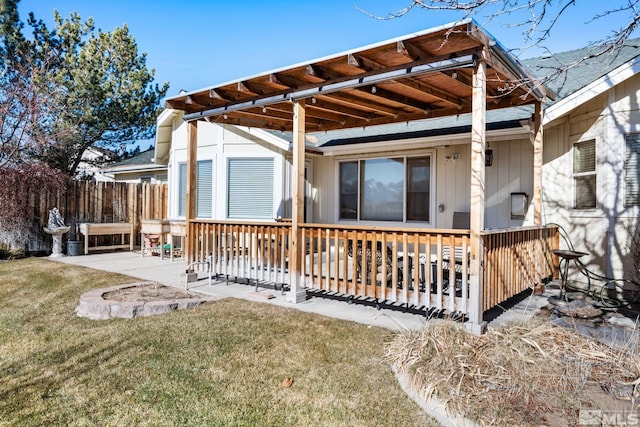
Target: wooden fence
(97,202)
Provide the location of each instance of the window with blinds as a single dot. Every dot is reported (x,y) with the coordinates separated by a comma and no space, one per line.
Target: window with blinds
(204,189)
(250,188)
(584,174)
(632,171)
(182,189)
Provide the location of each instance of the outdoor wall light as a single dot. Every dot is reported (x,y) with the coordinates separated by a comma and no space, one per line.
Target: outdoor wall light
(488,157)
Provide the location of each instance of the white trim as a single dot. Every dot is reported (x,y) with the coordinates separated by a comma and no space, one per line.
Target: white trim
(422,142)
(135,168)
(277,180)
(593,89)
(265,136)
(431,153)
(164,133)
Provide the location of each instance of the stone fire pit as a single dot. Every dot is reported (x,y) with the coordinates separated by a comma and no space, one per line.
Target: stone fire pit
(136,299)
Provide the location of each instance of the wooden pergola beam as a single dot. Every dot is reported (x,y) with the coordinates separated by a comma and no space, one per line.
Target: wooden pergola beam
(395,97)
(364,104)
(435,92)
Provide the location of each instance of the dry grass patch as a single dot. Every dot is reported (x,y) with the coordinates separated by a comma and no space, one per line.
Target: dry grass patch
(222,363)
(535,374)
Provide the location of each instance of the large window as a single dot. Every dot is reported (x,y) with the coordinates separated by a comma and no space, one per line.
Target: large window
(250,188)
(584,174)
(204,188)
(632,171)
(386,189)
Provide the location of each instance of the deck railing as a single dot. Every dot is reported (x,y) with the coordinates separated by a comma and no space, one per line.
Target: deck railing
(256,251)
(425,268)
(417,267)
(516,259)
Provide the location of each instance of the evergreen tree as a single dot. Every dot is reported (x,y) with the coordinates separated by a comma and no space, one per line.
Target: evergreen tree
(93,88)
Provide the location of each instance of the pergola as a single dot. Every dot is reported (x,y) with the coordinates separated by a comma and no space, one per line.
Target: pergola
(449,70)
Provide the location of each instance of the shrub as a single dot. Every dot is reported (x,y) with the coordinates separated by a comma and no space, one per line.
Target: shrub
(22,187)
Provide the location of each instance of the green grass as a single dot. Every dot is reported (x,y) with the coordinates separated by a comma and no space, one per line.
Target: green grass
(222,363)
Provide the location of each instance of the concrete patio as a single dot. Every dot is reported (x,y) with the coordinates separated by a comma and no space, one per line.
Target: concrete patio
(172,273)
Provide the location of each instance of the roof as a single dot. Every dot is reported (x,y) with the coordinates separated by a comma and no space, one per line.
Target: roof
(579,76)
(421,75)
(144,161)
(143,158)
(567,85)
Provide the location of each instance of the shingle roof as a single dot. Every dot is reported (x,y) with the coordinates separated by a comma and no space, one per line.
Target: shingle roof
(577,77)
(144,158)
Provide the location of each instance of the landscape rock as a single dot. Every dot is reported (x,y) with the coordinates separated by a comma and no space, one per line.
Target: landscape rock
(125,302)
(619,320)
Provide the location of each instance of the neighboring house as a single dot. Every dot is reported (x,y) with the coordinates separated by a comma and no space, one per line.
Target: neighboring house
(404,181)
(135,169)
(93,160)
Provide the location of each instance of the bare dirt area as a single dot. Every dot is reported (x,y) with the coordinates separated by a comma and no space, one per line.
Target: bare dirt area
(146,292)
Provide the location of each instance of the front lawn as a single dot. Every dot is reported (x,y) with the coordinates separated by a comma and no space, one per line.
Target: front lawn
(222,363)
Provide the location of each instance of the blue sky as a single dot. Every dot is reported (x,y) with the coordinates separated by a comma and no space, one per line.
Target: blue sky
(199,43)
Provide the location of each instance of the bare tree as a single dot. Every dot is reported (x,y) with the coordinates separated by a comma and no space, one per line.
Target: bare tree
(22,111)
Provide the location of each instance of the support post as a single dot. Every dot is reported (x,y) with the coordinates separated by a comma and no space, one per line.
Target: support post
(478,144)
(537,164)
(190,211)
(538,144)
(297,293)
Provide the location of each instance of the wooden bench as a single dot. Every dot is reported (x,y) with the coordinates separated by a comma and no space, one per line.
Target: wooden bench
(104,229)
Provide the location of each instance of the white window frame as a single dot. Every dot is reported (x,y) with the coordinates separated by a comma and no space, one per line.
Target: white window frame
(404,223)
(176,179)
(624,166)
(223,203)
(575,175)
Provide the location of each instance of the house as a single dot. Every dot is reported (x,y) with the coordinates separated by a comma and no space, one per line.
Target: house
(135,169)
(591,169)
(374,155)
(93,159)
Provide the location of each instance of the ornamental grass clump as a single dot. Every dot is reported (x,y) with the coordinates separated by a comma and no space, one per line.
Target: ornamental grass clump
(525,374)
